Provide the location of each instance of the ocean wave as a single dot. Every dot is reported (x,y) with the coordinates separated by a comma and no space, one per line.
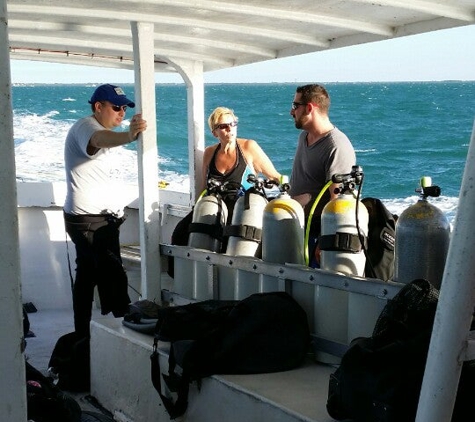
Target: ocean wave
(447,204)
(39,152)
(362,151)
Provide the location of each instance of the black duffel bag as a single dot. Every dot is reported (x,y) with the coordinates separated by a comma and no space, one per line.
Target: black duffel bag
(266,332)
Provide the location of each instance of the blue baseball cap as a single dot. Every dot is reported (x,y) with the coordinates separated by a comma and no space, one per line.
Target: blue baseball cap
(113,94)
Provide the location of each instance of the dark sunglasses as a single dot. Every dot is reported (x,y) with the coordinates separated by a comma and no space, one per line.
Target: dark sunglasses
(296,105)
(223,126)
(117,108)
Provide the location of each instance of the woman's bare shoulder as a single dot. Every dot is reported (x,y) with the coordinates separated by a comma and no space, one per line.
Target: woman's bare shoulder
(247,144)
(210,149)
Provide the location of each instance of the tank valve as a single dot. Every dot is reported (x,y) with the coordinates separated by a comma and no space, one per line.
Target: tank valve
(350,180)
(426,188)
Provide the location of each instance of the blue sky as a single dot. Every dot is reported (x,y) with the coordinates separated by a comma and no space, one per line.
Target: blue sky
(440,55)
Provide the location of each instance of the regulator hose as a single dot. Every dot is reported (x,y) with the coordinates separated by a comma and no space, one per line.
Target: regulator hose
(309,221)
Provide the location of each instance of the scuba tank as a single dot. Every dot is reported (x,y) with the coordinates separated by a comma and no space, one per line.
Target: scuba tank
(283,229)
(209,217)
(344,228)
(245,231)
(422,239)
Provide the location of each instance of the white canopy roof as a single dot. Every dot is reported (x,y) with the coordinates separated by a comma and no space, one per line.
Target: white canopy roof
(192,37)
(217,33)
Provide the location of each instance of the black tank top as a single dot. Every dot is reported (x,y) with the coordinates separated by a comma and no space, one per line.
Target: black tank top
(235,178)
(235,175)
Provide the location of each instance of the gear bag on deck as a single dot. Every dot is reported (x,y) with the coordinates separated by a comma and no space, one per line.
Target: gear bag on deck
(380,377)
(70,362)
(266,332)
(46,402)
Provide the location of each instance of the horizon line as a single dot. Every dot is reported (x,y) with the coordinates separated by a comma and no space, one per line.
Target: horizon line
(253,83)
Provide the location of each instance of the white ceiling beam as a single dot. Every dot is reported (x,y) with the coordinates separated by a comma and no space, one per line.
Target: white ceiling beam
(41,13)
(89,47)
(82,60)
(272,12)
(434,8)
(22,28)
(40,20)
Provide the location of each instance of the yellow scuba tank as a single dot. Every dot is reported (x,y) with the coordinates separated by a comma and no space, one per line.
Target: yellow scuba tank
(209,218)
(344,228)
(422,239)
(245,231)
(283,229)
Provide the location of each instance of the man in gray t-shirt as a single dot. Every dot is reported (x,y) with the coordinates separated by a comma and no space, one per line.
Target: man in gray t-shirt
(92,210)
(322,151)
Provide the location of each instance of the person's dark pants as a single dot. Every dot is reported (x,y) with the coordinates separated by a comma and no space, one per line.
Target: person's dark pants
(98,263)
(312,249)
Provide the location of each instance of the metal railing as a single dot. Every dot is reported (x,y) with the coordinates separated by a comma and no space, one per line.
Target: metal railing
(339,307)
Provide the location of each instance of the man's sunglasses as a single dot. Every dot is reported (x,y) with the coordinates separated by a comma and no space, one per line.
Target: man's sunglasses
(117,108)
(296,105)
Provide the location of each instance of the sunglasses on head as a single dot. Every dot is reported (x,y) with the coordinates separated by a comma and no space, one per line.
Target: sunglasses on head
(223,126)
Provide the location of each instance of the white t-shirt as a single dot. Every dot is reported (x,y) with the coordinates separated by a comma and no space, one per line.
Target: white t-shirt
(91,188)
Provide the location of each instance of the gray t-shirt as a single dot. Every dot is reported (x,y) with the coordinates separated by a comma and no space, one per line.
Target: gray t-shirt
(315,165)
(91,189)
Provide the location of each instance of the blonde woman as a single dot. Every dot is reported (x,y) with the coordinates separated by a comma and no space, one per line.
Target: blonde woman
(229,161)
(232,159)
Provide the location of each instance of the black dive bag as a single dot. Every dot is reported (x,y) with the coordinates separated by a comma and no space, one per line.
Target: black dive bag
(266,332)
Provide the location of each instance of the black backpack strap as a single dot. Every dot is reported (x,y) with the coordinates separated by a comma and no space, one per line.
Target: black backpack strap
(174,383)
(214,230)
(340,242)
(244,231)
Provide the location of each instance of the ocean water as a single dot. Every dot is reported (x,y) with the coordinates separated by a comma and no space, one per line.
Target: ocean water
(400,131)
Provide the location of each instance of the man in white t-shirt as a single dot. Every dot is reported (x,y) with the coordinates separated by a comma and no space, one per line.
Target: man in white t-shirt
(92,211)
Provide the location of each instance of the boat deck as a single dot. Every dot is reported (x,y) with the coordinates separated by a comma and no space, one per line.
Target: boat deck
(120,379)
(121,374)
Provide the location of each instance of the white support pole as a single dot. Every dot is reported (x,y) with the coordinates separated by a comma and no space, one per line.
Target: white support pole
(196,139)
(143,44)
(12,361)
(192,73)
(454,310)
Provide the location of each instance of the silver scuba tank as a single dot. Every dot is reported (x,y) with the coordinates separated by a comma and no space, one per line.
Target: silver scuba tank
(209,218)
(245,231)
(283,229)
(344,229)
(422,239)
